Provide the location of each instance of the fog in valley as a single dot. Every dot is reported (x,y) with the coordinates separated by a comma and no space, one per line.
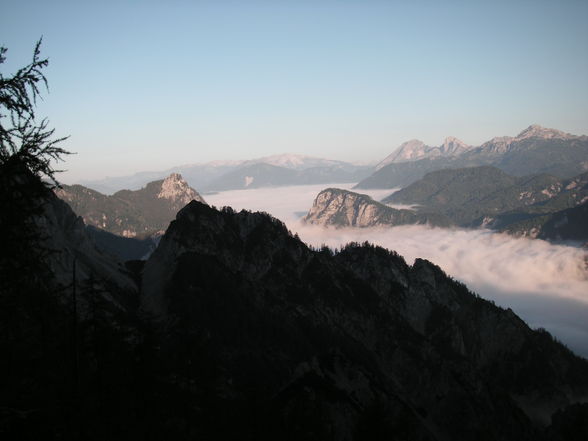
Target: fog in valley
(546,284)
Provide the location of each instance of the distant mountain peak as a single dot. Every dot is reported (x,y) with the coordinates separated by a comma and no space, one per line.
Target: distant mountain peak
(537,131)
(176,189)
(412,143)
(452,146)
(415,149)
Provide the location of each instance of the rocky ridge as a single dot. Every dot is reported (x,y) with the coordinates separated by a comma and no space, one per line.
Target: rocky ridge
(354,344)
(486,196)
(414,150)
(127,213)
(343,208)
(534,150)
(235,329)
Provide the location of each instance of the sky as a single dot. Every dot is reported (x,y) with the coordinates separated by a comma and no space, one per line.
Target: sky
(140,85)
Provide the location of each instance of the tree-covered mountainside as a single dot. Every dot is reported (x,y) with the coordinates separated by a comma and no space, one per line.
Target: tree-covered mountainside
(487,196)
(235,329)
(129,213)
(343,208)
(570,224)
(536,150)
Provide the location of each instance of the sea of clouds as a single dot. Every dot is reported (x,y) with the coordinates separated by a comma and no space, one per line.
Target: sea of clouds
(545,284)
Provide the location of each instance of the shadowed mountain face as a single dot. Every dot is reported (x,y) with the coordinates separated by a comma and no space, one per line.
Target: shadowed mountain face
(342,208)
(346,345)
(486,196)
(234,329)
(534,150)
(129,213)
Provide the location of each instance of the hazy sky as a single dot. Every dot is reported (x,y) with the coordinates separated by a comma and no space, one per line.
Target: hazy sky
(148,85)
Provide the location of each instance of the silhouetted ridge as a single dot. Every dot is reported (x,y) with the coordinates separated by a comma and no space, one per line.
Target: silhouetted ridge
(354,329)
(235,329)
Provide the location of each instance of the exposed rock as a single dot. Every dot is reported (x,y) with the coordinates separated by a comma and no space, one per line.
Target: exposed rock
(532,206)
(533,151)
(344,208)
(414,150)
(177,190)
(321,344)
(246,333)
(139,213)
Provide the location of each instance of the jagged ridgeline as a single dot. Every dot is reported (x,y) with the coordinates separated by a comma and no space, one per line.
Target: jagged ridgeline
(535,150)
(235,329)
(343,208)
(129,213)
(538,206)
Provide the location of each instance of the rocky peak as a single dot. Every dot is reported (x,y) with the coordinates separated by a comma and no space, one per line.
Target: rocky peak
(343,208)
(176,189)
(414,150)
(411,149)
(408,151)
(453,146)
(295,328)
(536,131)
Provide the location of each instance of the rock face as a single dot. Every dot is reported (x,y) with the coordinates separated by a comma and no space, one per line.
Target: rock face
(129,213)
(234,329)
(534,150)
(177,191)
(486,196)
(342,208)
(414,150)
(355,345)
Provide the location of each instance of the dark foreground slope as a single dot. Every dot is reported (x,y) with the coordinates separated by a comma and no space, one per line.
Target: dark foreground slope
(353,345)
(234,329)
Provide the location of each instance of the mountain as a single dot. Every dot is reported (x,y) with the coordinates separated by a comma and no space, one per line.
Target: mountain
(565,225)
(209,176)
(352,345)
(129,213)
(344,208)
(235,329)
(267,175)
(414,150)
(534,150)
(254,176)
(486,196)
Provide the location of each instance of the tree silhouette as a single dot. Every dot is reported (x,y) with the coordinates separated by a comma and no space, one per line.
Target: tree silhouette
(23,139)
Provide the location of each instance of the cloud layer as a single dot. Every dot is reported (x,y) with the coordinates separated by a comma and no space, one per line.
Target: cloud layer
(547,285)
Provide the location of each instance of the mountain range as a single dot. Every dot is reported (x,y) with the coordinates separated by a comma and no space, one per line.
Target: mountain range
(538,206)
(414,150)
(234,328)
(535,150)
(486,196)
(277,170)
